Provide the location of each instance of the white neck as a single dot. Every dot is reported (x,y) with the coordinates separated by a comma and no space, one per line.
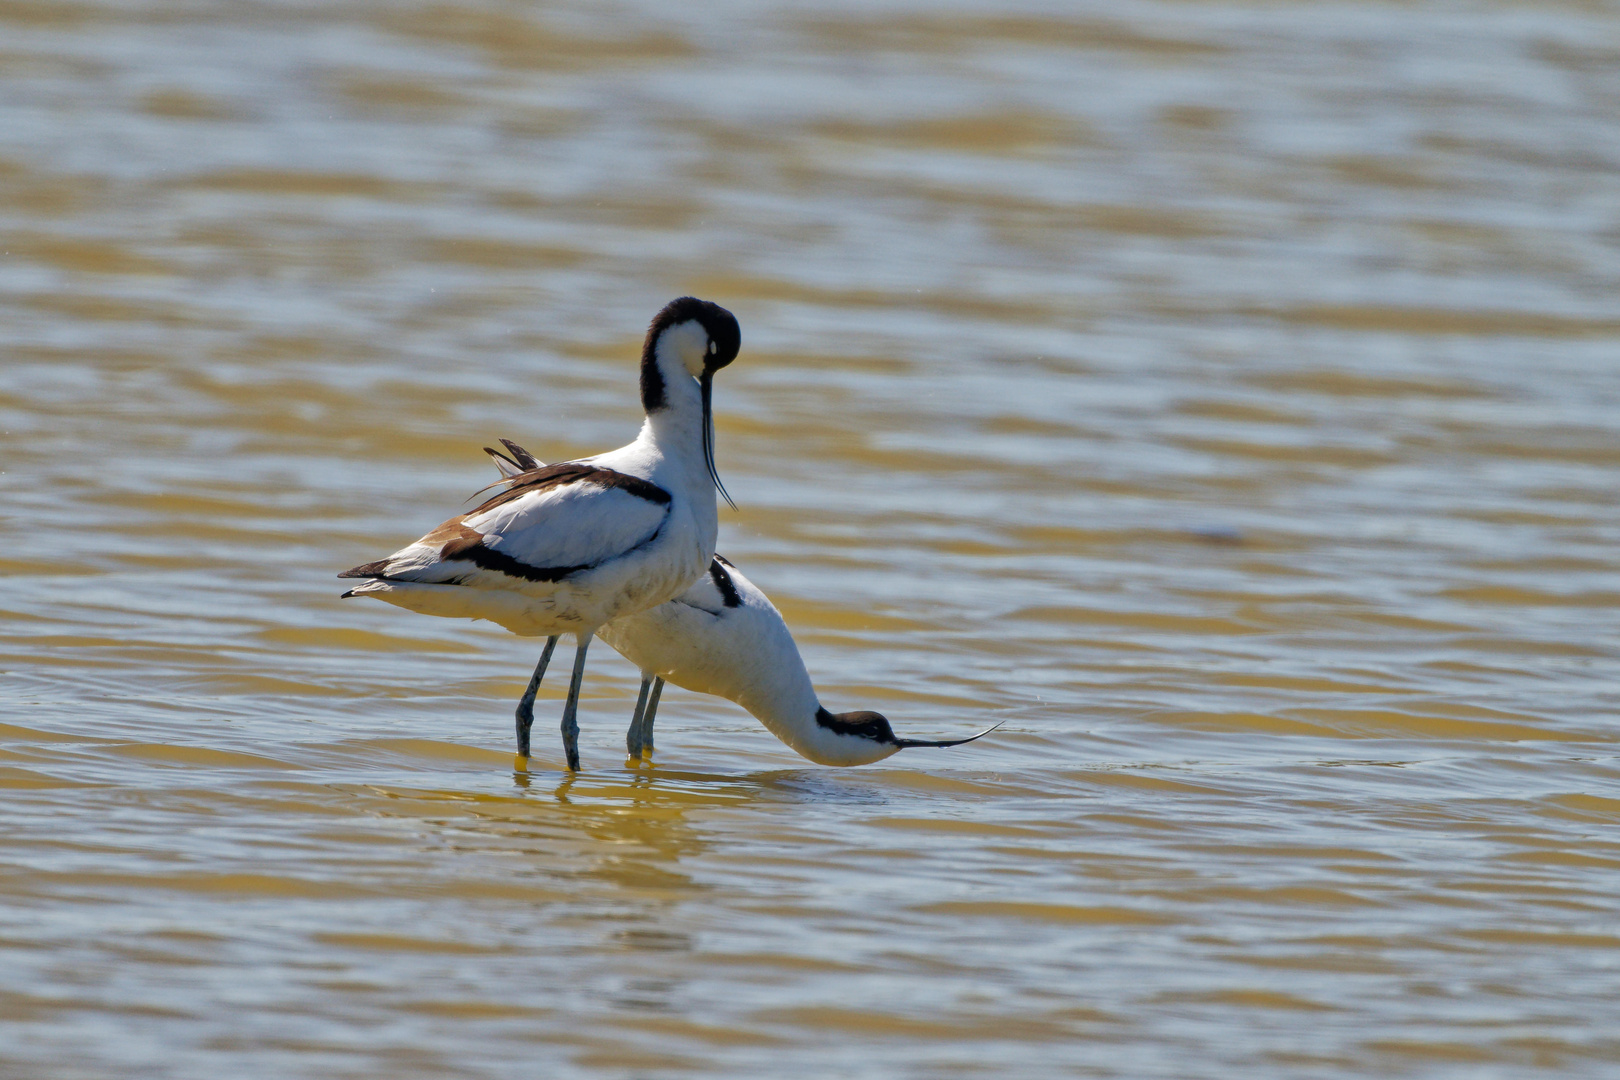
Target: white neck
(677,428)
(780,695)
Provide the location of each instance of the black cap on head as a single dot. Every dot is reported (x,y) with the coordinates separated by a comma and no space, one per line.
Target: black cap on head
(861,724)
(725,339)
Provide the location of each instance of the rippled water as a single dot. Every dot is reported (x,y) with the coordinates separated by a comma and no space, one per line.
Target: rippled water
(1225,396)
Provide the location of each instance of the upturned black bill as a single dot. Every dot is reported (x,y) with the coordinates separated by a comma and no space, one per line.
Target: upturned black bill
(947,742)
(707,383)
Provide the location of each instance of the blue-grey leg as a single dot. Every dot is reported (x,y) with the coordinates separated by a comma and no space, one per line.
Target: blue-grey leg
(525,709)
(632,738)
(647,717)
(570,724)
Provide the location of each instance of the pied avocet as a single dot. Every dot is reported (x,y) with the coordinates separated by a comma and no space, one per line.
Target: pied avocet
(568,547)
(723,636)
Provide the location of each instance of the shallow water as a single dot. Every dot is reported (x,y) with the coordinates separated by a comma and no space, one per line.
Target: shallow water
(1224,396)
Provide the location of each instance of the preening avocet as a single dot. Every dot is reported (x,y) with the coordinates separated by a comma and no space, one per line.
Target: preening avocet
(568,547)
(723,636)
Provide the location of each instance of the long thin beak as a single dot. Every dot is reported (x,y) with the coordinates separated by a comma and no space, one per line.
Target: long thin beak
(707,383)
(905,743)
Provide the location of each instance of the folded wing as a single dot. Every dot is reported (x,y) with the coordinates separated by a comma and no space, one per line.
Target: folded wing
(549,523)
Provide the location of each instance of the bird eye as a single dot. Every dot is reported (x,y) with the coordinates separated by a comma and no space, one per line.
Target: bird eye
(713,348)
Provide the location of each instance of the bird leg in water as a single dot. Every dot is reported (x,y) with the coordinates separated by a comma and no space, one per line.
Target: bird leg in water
(632,738)
(570,724)
(525,709)
(647,719)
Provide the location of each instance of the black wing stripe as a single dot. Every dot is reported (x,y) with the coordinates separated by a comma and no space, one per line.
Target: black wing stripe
(572,472)
(489,559)
(723,582)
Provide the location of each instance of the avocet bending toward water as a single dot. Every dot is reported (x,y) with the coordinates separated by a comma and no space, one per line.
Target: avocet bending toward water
(568,547)
(724,637)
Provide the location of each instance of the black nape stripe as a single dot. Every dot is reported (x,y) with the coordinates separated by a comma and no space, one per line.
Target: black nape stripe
(679,310)
(723,582)
(862,725)
(652,380)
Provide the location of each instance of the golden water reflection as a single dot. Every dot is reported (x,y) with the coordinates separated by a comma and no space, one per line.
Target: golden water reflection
(1223,396)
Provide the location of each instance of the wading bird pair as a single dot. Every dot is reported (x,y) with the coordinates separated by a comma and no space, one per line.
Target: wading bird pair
(621,545)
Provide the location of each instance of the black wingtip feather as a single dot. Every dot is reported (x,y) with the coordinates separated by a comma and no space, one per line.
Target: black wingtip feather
(523,458)
(494,453)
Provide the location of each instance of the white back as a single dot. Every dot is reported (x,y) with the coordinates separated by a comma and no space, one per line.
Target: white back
(742,653)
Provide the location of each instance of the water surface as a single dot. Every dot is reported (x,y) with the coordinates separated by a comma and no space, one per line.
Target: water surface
(1225,396)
